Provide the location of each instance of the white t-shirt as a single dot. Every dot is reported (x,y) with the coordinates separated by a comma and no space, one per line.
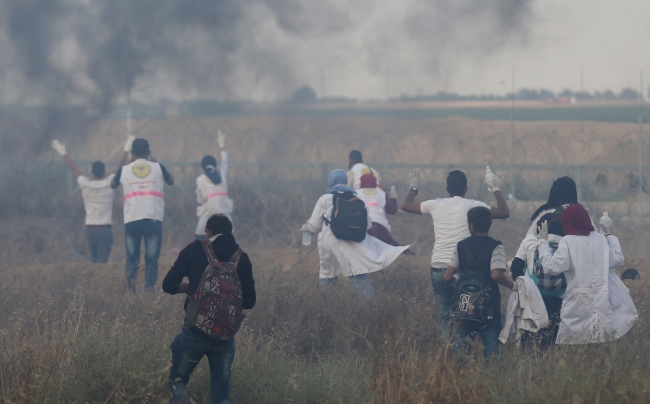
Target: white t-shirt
(449,225)
(98,199)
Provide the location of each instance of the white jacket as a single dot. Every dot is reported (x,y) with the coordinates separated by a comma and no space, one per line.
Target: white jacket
(347,258)
(525,311)
(596,306)
(213,198)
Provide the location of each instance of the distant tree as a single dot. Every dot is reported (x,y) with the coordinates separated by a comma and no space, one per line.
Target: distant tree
(629,94)
(609,95)
(544,94)
(566,93)
(304,95)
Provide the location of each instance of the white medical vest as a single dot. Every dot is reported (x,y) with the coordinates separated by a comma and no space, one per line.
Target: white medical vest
(375,200)
(357,171)
(143,184)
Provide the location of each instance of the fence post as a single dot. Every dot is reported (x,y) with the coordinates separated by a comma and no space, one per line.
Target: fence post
(579,182)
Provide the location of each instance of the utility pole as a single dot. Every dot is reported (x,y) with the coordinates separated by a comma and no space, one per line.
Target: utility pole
(512,138)
(641,183)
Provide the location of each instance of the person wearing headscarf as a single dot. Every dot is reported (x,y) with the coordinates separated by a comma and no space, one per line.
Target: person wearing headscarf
(563,193)
(596,306)
(212,189)
(346,258)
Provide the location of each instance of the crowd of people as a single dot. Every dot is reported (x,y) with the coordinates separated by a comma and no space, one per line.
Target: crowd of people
(563,286)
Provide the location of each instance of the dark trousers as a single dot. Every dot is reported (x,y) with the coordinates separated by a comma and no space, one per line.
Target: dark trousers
(100,241)
(463,337)
(547,335)
(188,348)
(151,232)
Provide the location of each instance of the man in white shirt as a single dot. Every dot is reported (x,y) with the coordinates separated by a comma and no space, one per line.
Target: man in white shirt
(144,207)
(358,169)
(450,226)
(98,202)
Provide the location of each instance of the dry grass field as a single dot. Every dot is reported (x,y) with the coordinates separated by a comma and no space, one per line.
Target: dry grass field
(70,333)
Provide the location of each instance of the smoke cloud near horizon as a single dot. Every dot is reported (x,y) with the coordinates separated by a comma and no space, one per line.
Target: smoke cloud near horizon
(92,53)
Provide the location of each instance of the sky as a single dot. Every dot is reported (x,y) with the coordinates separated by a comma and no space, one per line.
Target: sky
(91,51)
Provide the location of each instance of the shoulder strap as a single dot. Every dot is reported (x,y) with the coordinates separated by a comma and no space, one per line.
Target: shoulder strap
(234,260)
(209,251)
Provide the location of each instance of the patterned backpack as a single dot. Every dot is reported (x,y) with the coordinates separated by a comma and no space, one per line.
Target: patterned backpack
(216,307)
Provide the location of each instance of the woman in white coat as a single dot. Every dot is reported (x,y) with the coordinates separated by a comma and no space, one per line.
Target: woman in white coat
(346,258)
(596,306)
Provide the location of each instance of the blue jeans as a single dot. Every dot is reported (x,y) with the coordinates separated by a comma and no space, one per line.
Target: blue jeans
(362,283)
(100,241)
(463,337)
(188,348)
(443,292)
(151,231)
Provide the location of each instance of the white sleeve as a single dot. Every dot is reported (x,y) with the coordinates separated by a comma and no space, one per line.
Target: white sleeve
(555,263)
(200,198)
(522,252)
(616,258)
(83,181)
(350,178)
(498,260)
(369,221)
(315,222)
(453,261)
(223,165)
(427,207)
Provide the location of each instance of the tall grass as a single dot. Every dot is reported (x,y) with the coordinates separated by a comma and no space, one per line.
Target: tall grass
(72,333)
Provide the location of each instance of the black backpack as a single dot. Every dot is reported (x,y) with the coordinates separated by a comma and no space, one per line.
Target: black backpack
(349,220)
(471,303)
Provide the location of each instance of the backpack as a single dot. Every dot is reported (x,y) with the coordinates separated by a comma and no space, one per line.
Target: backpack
(471,303)
(349,220)
(216,307)
(548,285)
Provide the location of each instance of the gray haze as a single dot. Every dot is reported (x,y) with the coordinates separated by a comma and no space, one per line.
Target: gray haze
(89,51)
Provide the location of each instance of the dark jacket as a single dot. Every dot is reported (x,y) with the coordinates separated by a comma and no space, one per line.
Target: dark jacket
(191,263)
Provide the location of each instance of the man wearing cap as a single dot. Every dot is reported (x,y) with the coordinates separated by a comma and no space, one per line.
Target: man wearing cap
(143,181)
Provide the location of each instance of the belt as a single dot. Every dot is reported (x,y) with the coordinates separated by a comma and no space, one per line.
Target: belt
(438,269)
(98,225)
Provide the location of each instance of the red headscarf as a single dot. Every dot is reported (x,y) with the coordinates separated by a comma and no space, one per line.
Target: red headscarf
(576,221)
(368,181)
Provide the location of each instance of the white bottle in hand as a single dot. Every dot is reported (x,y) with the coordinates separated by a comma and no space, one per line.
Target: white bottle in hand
(306,235)
(489,175)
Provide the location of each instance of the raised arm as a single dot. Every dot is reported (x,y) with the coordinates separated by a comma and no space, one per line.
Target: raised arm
(125,154)
(223,164)
(60,148)
(409,205)
(494,183)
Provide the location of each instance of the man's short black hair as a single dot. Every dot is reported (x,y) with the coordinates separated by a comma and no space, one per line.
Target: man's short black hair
(98,169)
(355,156)
(140,147)
(456,182)
(481,218)
(219,224)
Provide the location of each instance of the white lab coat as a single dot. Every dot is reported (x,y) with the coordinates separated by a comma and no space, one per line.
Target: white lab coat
(347,258)
(213,199)
(595,307)
(525,311)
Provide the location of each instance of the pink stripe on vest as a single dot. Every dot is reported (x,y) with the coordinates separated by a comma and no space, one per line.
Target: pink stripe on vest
(143,193)
(214,195)
(373,204)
